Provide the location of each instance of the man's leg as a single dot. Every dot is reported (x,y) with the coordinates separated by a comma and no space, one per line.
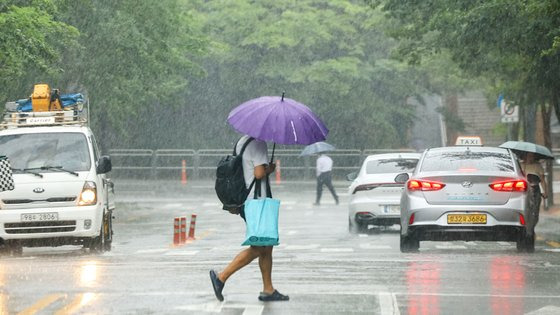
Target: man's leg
(241,260)
(265,263)
(328,182)
(319,188)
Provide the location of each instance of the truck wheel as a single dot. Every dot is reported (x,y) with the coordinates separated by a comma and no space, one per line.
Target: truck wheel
(96,243)
(108,230)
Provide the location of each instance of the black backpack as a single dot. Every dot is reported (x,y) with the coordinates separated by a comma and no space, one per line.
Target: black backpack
(230,182)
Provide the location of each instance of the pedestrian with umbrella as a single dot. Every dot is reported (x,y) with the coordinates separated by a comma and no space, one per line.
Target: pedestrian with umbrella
(323,168)
(265,119)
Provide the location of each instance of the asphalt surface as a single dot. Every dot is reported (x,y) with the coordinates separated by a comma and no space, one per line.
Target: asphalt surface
(323,268)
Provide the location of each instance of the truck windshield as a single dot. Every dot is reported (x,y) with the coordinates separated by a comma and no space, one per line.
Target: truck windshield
(34,151)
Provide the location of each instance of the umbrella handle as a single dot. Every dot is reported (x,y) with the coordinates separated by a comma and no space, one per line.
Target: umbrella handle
(273,148)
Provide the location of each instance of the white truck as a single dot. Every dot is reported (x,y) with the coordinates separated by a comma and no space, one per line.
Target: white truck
(62,194)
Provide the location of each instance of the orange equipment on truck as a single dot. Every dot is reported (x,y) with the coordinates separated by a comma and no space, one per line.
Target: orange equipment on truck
(45,100)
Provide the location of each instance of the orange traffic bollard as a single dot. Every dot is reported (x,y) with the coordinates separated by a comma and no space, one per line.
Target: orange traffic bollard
(183,234)
(184,172)
(278,172)
(176,232)
(192,227)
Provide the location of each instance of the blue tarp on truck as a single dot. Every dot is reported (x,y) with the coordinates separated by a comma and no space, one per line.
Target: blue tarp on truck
(66,100)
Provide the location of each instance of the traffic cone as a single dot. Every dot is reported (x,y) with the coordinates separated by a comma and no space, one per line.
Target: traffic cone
(183,234)
(192,227)
(184,173)
(278,172)
(176,232)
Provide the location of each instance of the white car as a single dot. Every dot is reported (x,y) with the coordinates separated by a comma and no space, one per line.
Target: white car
(374,194)
(62,195)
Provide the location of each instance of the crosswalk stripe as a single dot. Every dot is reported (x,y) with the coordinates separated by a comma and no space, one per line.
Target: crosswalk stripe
(42,303)
(336,250)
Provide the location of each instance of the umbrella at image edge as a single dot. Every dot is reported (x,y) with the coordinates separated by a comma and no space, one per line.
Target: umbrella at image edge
(278,119)
(540,151)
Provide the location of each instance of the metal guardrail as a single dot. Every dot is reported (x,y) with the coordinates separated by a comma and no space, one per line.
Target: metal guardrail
(168,163)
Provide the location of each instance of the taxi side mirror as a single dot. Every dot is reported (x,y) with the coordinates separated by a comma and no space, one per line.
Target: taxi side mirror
(402,178)
(104,165)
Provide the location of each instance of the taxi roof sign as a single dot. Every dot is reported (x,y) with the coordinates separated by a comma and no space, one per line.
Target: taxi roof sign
(468,141)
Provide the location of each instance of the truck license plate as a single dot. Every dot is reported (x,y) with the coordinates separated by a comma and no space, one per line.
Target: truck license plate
(32,217)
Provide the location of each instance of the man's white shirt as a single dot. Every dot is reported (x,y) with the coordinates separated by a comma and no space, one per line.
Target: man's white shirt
(324,164)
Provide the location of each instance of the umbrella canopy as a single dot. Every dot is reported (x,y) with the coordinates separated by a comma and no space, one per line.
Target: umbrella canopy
(279,120)
(542,152)
(317,147)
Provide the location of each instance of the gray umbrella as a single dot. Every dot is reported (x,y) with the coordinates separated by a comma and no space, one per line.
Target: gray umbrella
(317,147)
(540,151)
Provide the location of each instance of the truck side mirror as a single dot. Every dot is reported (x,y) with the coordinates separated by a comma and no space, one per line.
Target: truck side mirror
(402,178)
(352,176)
(104,165)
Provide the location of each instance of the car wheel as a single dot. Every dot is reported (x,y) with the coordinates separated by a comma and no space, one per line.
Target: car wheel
(526,243)
(409,244)
(356,228)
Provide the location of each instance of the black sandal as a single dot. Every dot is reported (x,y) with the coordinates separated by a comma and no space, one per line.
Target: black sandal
(274,296)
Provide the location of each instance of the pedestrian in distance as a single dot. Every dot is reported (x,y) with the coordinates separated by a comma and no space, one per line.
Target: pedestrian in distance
(531,165)
(255,166)
(324,177)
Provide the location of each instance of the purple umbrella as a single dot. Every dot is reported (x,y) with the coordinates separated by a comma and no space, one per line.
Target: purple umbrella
(279,120)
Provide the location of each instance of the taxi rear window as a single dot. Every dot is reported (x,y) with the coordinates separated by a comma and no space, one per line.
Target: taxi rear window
(467,161)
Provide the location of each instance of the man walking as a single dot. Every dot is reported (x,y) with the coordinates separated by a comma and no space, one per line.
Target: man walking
(324,177)
(255,166)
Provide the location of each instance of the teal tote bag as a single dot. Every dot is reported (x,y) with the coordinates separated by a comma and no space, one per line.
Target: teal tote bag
(261,216)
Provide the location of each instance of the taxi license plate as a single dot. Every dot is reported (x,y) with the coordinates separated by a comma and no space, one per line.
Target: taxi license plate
(466,218)
(33,217)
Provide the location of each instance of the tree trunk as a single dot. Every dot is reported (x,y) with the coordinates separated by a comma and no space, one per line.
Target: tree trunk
(530,119)
(546,111)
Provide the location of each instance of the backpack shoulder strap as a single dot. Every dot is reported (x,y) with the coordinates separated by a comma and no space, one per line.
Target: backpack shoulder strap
(245,145)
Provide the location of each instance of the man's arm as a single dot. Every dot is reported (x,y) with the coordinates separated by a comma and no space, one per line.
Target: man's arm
(262,170)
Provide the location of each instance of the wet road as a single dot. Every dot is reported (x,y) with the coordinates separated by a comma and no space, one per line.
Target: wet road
(323,268)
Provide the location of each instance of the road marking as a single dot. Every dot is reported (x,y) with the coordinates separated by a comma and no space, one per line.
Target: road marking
(79,301)
(554,250)
(504,243)
(451,246)
(42,303)
(292,232)
(553,244)
(539,238)
(212,307)
(336,250)
(308,213)
(247,309)
(549,309)
(372,246)
(181,253)
(388,304)
(301,247)
(151,251)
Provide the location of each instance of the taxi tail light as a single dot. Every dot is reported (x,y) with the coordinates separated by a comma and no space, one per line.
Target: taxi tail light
(411,219)
(88,196)
(510,185)
(521,219)
(424,185)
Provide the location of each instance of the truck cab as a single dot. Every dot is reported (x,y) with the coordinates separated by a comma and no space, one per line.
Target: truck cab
(62,194)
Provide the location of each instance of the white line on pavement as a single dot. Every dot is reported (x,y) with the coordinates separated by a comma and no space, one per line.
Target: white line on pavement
(372,246)
(388,304)
(301,247)
(504,243)
(451,247)
(151,251)
(181,253)
(337,250)
(210,204)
